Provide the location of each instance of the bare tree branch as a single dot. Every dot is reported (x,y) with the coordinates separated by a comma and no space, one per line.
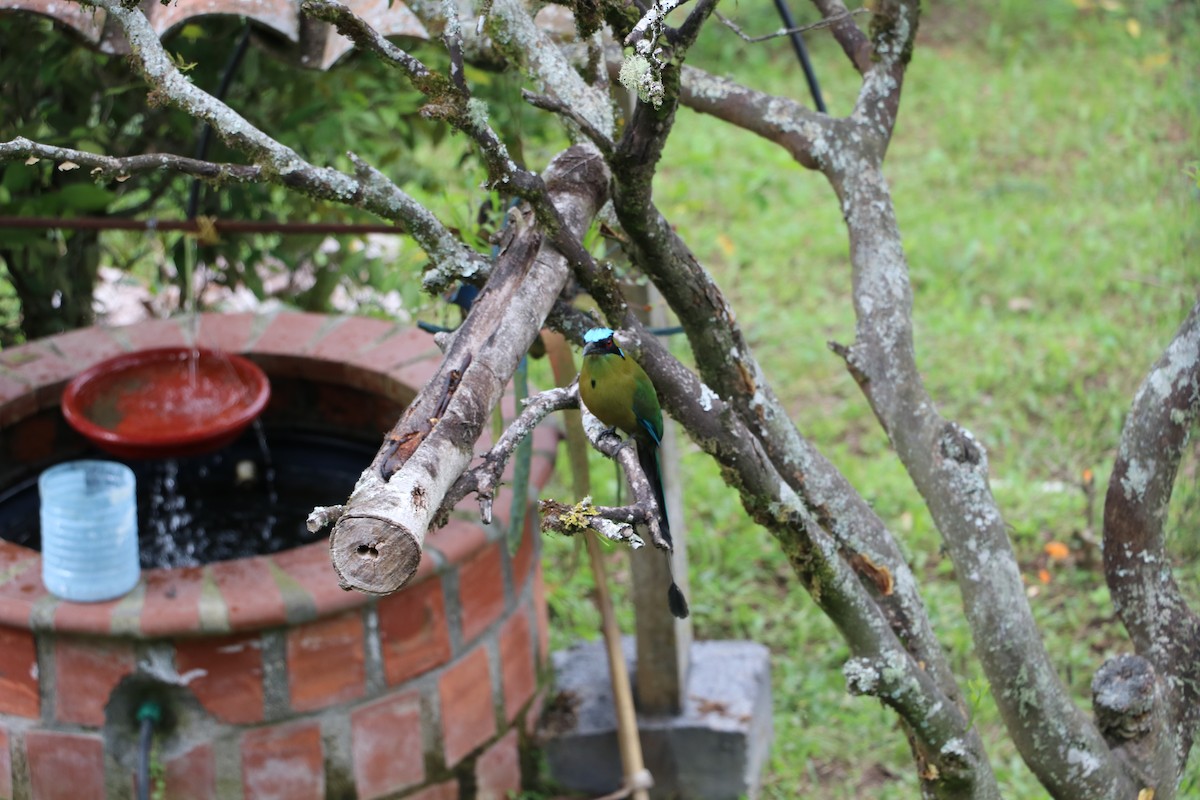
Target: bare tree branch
(652,21)
(947,465)
(449,98)
(124,167)
(808,136)
(1138,719)
(853,41)
(894,31)
(733,372)
(598,137)
(376,543)
(1137,565)
(485,478)
(814,26)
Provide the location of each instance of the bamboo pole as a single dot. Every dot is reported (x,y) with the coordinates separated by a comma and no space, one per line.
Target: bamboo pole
(637,778)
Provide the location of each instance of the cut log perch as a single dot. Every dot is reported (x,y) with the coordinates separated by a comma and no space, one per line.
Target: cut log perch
(376,544)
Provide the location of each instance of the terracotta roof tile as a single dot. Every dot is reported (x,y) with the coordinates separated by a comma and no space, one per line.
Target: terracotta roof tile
(317,44)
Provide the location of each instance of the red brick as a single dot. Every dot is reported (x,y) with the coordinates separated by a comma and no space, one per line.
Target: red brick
(251,595)
(412,631)
(458,539)
(172,601)
(19,594)
(64,766)
(192,775)
(518,674)
(309,566)
(6,781)
(368,369)
(87,346)
(405,346)
(386,745)
(468,713)
(156,333)
(285,762)
(18,566)
(18,673)
(352,336)
(290,333)
(522,560)
(86,671)
(231,333)
(231,687)
(87,618)
(416,374)
(12,555)
(326,662)
(439,791)
(11,388)
(481,591)
(498,770)
(39,366)
(543,614)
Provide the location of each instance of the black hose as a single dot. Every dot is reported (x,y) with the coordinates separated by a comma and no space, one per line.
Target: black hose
(235,60)
(149,713)
(143,765)
(785,14)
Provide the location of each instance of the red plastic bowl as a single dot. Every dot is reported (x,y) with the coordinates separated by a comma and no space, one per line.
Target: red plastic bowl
(166,402)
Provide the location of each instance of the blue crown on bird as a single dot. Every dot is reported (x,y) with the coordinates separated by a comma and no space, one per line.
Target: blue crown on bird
(600,340)
(597,335)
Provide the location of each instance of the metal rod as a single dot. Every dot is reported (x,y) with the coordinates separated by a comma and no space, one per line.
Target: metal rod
(227,226)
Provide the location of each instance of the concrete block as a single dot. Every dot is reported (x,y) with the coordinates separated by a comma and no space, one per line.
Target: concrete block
(714,749)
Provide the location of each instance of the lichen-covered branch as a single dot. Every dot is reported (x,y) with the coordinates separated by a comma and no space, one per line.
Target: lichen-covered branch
(570,520)
(376,544)
(730,368)
(1137,565)
(100,166)
(555,106)
(512,29)
(1138,719)
(947,464)
(805,134)
(853,41)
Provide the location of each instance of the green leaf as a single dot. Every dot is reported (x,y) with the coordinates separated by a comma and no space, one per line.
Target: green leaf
(84,197)
(18,177)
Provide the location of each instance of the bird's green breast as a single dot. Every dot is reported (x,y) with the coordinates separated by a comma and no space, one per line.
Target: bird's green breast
(619,393)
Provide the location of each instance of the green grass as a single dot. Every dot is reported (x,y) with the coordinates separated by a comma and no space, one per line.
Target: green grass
(1039,172)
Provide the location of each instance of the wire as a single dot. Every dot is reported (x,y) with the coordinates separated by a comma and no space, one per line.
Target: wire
(810,75)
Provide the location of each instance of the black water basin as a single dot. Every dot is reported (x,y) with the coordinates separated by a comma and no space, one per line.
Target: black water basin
(247,499)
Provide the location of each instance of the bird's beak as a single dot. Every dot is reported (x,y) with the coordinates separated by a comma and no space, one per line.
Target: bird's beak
(589,348)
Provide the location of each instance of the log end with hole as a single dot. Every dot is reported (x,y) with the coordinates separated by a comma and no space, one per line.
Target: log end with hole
(373,555)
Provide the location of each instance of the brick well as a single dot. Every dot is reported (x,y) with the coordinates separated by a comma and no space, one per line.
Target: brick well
(277,683)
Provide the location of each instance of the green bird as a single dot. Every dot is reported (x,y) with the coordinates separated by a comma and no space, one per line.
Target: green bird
(617,390)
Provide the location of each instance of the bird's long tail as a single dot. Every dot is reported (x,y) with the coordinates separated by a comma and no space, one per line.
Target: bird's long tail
(648,459)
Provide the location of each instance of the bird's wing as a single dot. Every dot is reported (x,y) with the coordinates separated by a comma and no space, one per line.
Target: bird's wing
(646,407)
